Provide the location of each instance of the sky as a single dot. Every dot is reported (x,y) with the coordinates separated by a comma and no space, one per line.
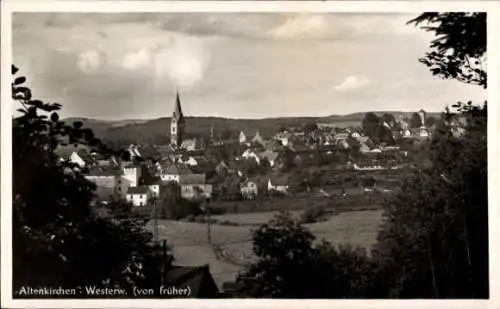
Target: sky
(236,65)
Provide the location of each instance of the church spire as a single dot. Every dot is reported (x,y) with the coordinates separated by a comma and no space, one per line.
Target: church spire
(177,124)
(178,110)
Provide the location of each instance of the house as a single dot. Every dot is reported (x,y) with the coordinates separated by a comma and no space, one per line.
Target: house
(250,153)
(204,167)
(279,184)
(197,280)
(101,160)
(271,157)
(193,185)
(423,132)
(195,189)
(406,133)
(82,158)
(191,161)
(258,139)
(341,136)
(132,173)
(242,138)
(138,196)
(174,172)
(110,183)
(169,152)
(355,134)
(249,189)
(133,150)
(273,145)
(153,183)
(286,138)
(148,154)
(74,153)
(193,144)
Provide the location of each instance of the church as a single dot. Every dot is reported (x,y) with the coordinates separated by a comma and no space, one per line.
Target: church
(178,131)
(177,124)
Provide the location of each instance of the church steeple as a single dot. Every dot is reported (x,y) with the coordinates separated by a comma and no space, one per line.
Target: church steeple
(178,110)
(177,123)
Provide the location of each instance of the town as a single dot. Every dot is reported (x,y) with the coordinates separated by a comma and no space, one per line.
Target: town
(318,159)
(317,169)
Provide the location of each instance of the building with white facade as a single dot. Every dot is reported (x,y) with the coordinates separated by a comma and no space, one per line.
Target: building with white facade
(132,173)
(138,196)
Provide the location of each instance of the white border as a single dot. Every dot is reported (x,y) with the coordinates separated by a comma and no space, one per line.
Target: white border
(493,9)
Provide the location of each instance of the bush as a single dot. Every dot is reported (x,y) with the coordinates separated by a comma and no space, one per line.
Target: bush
(274,193)
(216,210)
(313,214)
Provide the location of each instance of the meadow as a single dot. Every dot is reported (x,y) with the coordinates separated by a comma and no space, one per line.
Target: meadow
(189,241)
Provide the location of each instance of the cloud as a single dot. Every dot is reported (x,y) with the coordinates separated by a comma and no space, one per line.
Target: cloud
(91,60)
(301,26)
(184,61)
(352,82)
(137,60)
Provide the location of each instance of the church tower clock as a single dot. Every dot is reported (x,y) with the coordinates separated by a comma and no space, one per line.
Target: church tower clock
(177,125)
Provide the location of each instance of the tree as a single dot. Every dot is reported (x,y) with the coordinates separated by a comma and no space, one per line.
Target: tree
(230,189)
(385,135)
(371,126)
(250,166)
(286,157)
(285,261)
(354,147)
(171,204)
(58,239)
(310,128)
(438,222)
(430,121)
(389,119)
(415,121)
(459,50)
(289,265)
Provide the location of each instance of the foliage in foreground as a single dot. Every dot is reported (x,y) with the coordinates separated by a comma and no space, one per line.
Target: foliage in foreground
(58,240)
(289,265)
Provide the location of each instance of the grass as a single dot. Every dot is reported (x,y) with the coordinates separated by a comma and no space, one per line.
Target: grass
(190,244)
(251,218)
(356,201)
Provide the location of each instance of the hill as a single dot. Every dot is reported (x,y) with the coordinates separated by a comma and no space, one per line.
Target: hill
(157,131)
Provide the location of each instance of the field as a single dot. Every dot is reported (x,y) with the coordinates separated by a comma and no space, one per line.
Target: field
(357,201)
(233,247)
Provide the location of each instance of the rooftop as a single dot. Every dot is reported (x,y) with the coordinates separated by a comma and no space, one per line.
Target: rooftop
(199,280)
(138,190)
(104,171)
(278,180)
(177,169)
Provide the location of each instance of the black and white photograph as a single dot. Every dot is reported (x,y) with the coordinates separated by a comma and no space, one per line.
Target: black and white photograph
(248,155)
